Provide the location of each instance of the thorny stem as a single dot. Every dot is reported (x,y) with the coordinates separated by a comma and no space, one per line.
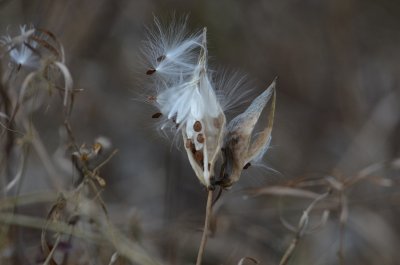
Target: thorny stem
(206,227)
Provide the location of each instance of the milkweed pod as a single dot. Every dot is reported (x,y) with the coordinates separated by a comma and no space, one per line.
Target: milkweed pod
(241,145)
(205,124)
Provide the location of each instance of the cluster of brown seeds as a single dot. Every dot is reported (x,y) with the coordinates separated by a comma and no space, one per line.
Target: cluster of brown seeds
(189,144)
(197,154)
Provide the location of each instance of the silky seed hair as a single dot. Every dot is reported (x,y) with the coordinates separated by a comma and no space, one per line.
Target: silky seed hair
(171,52)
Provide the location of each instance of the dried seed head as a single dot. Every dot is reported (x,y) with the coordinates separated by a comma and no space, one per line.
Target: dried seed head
(204,111)
(33,48)
(185,94)
(21,49)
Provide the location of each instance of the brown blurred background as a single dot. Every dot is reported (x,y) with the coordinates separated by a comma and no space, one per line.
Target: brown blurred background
(338,111)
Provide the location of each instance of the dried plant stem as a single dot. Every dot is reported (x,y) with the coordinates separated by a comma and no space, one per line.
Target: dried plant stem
(50,256)
(27,199)
(290,250)
(123,245)
(206,227)
(302,227)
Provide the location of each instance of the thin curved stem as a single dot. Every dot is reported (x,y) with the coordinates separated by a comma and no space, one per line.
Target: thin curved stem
(206,227)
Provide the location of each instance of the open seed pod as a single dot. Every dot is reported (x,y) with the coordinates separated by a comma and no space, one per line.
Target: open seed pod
(241,145)
(203,135)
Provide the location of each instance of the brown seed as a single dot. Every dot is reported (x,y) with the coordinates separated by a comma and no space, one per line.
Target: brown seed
(156,115)
(247,166)
(197,126)
(198,156)
(200,138)
(150,71)
(161,58)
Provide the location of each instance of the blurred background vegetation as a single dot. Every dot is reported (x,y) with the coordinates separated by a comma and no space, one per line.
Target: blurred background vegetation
(338,113)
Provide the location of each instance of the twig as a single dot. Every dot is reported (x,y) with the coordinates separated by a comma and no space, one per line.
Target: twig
(50,256)
(113,258)
(206,228)
(303,226)
(70,134)
(290,250)
(106,160)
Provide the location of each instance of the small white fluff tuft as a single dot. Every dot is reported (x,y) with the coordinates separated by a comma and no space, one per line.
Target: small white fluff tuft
(171,52)
(21,48)
(233,89)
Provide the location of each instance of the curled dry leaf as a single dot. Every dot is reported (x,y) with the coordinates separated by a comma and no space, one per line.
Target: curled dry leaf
(241,145)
